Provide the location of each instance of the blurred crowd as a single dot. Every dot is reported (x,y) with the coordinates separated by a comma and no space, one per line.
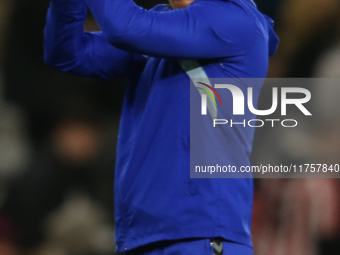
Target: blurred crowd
(58,139)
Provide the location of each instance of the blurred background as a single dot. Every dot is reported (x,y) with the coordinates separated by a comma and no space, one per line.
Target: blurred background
(58,140)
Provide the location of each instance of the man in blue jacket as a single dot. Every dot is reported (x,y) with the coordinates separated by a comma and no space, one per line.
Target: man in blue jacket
(158,208)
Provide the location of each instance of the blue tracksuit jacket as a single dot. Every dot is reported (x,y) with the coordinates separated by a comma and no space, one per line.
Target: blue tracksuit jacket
(155,199)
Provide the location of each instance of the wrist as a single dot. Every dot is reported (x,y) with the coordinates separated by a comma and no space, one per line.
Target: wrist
(69,6)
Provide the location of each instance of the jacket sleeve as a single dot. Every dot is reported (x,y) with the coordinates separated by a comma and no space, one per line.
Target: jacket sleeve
(205,29)
(68,48)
